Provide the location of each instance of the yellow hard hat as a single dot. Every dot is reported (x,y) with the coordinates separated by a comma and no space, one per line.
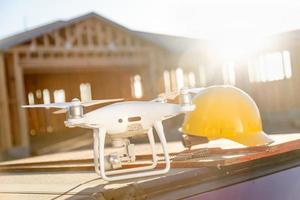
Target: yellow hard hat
(226,112)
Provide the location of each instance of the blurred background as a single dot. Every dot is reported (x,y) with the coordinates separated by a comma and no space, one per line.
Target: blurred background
(53,51)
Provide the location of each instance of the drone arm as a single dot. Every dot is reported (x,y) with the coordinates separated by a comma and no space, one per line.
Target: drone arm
(177,109)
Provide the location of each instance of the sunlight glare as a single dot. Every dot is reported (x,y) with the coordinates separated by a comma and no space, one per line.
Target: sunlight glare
(236,47)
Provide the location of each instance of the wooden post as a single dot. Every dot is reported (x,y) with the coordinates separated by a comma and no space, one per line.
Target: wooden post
(99,34)
(78,32)
(57,39)
(46,40)
(5,131)
(89,34)
(20,97)
(152,74)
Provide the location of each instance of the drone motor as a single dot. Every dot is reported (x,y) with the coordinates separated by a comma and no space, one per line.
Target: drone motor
(75,111)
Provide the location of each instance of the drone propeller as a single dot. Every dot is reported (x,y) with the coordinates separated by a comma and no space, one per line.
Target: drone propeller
(168,95)
(192,90)
(50,105)
(172,95)
(60,111)
(75,102)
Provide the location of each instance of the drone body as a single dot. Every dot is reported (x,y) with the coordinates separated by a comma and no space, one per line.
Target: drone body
(126,118)
(121,121)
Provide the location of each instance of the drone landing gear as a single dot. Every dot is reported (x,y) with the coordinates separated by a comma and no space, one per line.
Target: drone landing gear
(99,157)
(113,160)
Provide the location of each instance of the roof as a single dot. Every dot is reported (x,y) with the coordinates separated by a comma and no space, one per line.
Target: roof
(19,38)
(171,43)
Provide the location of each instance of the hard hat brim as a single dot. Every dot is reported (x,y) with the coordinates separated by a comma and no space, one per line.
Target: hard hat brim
(257,139)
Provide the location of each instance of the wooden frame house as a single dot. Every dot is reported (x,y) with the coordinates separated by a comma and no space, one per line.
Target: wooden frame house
(51,63)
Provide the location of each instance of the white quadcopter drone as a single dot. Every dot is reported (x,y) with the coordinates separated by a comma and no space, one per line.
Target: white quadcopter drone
(121,121)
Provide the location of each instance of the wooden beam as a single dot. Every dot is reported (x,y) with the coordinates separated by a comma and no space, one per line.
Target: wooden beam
(128,41)
(78,33)
(82,49)
(68,34)
(57,39)
(33,45)
(5,129)
(99,34)
(46,40)
(108,34)
(151,76)
(89,34)
(20,97)
(87,62)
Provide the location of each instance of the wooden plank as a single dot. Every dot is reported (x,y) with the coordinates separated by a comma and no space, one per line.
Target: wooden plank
(45,196)
(99,34)
(150,75)
(141,159)
(82,49)
(83,62)
(78,33)
(273,150)
(20,96)
(215,157)
(5,130)
(46,40)
(57,38)
(177,183)
(89,34)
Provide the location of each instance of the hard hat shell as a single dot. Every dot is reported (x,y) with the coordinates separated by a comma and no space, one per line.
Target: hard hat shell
(226,112)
